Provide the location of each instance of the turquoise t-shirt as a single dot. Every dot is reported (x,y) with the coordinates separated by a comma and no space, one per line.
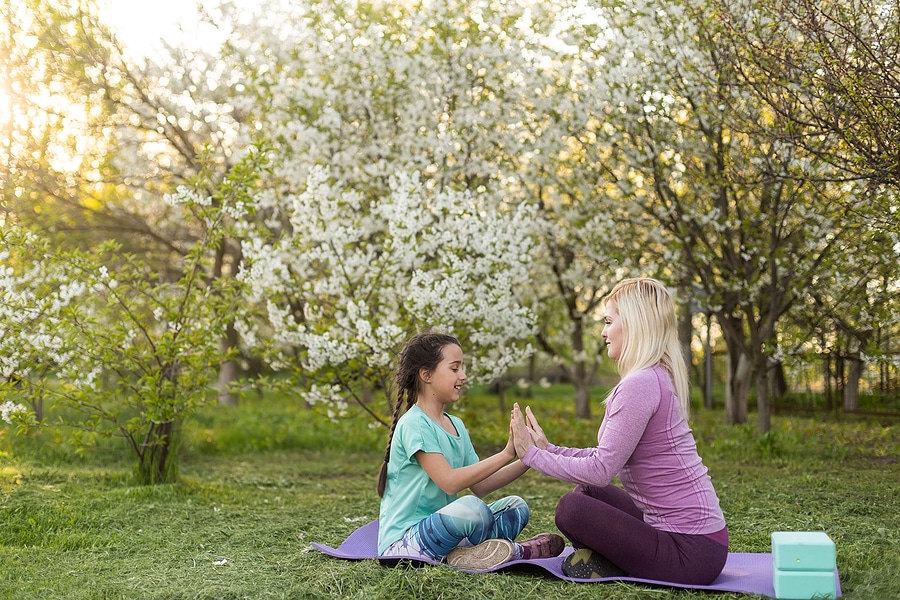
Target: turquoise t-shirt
(410,495)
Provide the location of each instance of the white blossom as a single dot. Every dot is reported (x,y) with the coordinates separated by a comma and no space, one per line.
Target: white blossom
(9,408)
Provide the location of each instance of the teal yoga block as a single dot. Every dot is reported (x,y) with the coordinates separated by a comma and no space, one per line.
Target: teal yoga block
(803,585)
(803,551)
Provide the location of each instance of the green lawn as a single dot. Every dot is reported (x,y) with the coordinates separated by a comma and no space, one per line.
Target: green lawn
(261,481)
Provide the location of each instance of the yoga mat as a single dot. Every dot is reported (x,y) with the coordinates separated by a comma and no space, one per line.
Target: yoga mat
(744,572)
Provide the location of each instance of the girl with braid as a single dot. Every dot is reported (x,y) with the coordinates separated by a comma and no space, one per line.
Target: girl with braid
(430,459)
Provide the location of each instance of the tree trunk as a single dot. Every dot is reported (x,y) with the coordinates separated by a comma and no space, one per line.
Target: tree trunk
(777,380)
(582,399)
(707,362)
(763,408)
(580,371)
(851,388)
(228,370)
(839,374)
(160,444)
(686,335)
(737,388)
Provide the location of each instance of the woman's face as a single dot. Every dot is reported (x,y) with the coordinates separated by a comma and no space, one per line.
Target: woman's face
(612,334)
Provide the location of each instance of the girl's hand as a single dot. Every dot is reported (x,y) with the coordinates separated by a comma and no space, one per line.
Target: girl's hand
(537,434)
(511,443)
(522,435)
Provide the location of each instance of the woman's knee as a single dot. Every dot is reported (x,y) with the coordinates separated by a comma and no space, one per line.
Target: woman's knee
(573,501)
(569,511)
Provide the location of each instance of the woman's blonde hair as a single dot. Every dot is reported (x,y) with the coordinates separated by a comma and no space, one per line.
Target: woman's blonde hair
(650,332)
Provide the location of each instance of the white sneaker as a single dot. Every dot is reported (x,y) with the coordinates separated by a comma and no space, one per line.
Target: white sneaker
(486,555)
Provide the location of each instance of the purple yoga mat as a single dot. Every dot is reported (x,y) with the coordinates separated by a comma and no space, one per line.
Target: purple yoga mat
(744,572)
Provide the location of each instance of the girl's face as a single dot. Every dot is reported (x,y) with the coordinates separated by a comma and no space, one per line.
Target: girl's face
(613,334)
(446,380)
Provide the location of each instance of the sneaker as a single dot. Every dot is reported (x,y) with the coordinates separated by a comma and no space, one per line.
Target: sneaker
(545,545)
(584,563)
(486,555)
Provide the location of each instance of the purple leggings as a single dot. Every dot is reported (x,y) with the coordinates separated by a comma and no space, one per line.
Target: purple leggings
(606,520)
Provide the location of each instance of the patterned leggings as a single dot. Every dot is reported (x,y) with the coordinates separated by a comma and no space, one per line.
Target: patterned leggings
(465,521)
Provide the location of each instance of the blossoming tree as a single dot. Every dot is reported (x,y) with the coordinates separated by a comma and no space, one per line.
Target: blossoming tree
(354,276)
(482,97)
(756,223)
(130,353)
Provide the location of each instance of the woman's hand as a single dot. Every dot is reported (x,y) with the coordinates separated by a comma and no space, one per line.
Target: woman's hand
(537,434)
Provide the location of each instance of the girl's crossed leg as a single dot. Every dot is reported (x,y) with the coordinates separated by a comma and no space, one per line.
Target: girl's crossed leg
(465,521)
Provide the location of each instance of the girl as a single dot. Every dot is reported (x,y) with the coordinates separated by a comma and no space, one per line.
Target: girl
(666,524)
(430,459)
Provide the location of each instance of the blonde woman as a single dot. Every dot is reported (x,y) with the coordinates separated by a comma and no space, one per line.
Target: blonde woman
(665,522)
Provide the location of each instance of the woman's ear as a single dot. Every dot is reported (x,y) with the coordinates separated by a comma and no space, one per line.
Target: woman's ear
(425,375)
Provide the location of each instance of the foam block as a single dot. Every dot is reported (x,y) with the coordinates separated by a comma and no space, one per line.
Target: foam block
(803,551)
(803,585)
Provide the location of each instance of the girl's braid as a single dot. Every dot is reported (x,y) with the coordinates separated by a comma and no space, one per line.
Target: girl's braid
(406,387)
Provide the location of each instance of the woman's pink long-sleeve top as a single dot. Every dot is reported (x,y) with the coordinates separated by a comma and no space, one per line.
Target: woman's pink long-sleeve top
(646,441)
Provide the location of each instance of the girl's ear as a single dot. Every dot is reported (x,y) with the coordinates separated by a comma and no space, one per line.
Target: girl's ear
(425,375)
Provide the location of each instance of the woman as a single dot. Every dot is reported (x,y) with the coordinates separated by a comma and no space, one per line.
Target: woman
(665,522)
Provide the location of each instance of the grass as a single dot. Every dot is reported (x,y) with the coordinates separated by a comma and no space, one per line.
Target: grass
(259,482)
